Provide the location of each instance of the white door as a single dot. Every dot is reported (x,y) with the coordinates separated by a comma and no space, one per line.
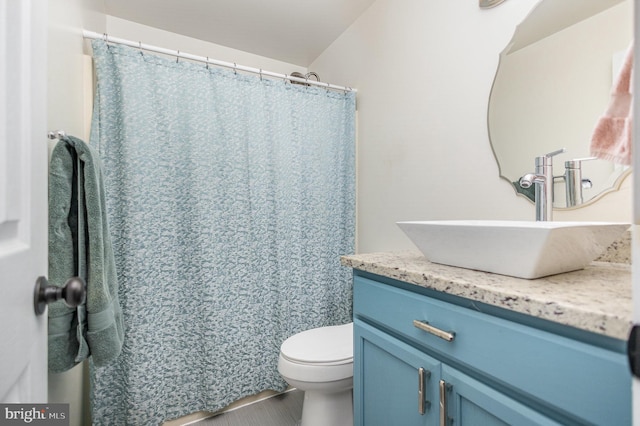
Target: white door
(23,199)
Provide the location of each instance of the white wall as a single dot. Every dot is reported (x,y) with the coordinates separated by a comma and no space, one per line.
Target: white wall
(66,95)
(156,37)
(424,71)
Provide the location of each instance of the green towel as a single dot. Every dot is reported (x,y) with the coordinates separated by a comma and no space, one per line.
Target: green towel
(80,245)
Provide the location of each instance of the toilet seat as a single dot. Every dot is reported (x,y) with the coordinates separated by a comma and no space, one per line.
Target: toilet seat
(327,346)
(318,355)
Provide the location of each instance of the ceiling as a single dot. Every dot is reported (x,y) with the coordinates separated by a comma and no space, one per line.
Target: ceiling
(294,31)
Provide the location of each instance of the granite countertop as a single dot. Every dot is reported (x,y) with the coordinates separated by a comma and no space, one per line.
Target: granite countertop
(596,299)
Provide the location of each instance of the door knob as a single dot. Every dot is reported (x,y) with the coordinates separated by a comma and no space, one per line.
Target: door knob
(73,293)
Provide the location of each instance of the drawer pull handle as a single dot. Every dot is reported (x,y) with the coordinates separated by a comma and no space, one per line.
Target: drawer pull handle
(423,403)
(443,403)
(424,326)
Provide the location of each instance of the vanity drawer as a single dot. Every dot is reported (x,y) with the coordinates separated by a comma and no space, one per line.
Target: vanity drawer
(547,370)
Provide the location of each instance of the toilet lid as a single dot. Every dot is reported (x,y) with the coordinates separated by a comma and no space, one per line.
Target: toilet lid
(333,344)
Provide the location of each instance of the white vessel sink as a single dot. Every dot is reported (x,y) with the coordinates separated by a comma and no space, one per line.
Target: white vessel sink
(517,248)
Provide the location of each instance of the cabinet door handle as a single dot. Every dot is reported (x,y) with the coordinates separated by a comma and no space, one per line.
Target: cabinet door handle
(423,403)
(424,326)
(443,403)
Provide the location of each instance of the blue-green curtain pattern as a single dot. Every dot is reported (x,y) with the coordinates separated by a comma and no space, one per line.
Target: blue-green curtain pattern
(230,200)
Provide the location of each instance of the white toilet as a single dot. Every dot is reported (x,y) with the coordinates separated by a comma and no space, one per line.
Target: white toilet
(320,363)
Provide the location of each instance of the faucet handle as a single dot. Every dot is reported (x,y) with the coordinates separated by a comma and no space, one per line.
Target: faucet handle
(577,162)
(546,160)
(554,153)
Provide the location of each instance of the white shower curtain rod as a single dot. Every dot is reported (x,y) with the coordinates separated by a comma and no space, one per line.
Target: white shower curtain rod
(179,54)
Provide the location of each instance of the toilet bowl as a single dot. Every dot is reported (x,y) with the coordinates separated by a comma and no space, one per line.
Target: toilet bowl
(320,363)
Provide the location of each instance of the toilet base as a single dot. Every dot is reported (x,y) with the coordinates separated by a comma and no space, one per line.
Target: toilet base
(327,409)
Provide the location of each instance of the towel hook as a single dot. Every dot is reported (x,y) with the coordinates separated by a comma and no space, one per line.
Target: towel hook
(57,134)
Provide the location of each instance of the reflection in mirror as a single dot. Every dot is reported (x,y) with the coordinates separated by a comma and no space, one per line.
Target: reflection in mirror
(553,83)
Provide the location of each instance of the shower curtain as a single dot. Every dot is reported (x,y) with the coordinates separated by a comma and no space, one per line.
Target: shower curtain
(230,199)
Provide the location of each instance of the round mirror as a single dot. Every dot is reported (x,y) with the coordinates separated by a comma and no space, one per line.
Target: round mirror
(553,83)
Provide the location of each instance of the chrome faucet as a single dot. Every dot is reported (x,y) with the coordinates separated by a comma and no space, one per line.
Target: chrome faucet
(543,181)
(574,181)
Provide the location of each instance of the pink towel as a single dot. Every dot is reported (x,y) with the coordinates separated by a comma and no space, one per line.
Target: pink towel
(611,138)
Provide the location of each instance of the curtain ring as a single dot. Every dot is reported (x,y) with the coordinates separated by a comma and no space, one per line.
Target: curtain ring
(177,56)
(235,68)
(140,48)
(260,74)
(207,62)
(105,37)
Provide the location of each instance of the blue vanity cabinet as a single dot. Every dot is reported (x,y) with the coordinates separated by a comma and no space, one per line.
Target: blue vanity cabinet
(396,384)
(494,371)
(388,389)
